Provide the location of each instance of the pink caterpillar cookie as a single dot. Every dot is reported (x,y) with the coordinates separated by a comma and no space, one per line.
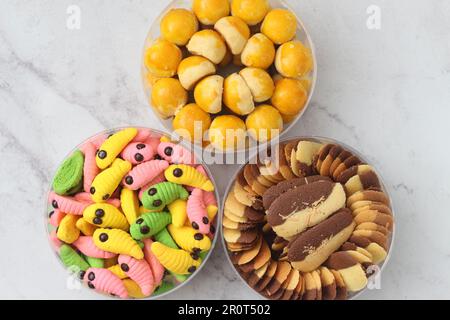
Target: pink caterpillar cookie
(103,280)
(196,212)
(142,135)
(55,217)
(143,173)
(86,246)
(56,243)
(175,153)
(139,271)
(138,152)
(67,204)
(86,197)
(90,169)
(155,265)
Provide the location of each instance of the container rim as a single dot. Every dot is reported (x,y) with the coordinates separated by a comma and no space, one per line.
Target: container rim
(252,149)
(218,218)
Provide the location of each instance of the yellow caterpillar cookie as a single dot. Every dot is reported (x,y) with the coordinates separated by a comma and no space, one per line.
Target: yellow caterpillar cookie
(133,289)
(175,260)
(189,176)
(108,180)
(67,230)
(106,216)
(189,239)
(117,241)
(130,205)
(178,211)
(117,270)
(113,146)
(85,227)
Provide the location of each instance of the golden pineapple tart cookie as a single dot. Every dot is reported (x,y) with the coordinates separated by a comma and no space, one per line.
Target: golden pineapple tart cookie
(289,96)
(168,96)
(259,82)
(162,58)
(209,12)
(178,26)
(296,232)
(208,93)
(191,122)
(279,25)
(293,59)
(237,95)
(209,44)
(251,11)
(193,69)
(237,58)
(226,132)
(264,123)
(259,52)
(235,32)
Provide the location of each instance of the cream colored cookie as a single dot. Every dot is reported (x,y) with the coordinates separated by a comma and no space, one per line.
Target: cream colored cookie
(193,69)
(209,44)
(235,32)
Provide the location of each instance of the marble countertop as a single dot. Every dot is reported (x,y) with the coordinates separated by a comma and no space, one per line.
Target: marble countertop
(383,91)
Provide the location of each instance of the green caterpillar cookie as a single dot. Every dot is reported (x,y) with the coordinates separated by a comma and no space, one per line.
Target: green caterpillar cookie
(163,287)
(162,194)
(166,239)
(149,224)
(95,262)
(69,177)
(71,258)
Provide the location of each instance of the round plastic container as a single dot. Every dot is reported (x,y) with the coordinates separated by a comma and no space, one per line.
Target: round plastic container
(381,266)
(170,278)
(302,35)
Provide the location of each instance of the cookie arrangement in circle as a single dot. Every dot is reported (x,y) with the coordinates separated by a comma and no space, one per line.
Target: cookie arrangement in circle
(132,213)
(186,70)
(316,224)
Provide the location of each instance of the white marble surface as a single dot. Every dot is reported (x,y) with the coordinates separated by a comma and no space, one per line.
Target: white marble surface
(386,92)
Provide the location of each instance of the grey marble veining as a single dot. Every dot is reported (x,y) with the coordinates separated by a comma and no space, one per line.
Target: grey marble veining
(385,92)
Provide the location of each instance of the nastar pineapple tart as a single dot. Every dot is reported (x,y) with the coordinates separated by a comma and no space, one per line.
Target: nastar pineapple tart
(238,59)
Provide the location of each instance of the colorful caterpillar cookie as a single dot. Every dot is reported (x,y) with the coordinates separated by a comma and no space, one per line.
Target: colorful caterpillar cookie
(190,239)
(86,245)
(197,213)
(163,194)
(67,205)
(67,230)
(149,224)
(117,241)
(109,214)
(178,211)
(106,216)
(175,260)
(156,267)
(144,173)
(106,182)
(69,178)
(175,153)
(138,152)
(130,204)
(71,258)
(105,281)
(139,271)
(113,146)
(90,169)
(189,176)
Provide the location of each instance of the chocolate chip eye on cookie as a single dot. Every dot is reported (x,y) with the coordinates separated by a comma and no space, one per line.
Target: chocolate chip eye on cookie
(315,226)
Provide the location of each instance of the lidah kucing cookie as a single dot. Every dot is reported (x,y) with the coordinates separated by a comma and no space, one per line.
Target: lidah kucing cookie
(305,206)
(327,222)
